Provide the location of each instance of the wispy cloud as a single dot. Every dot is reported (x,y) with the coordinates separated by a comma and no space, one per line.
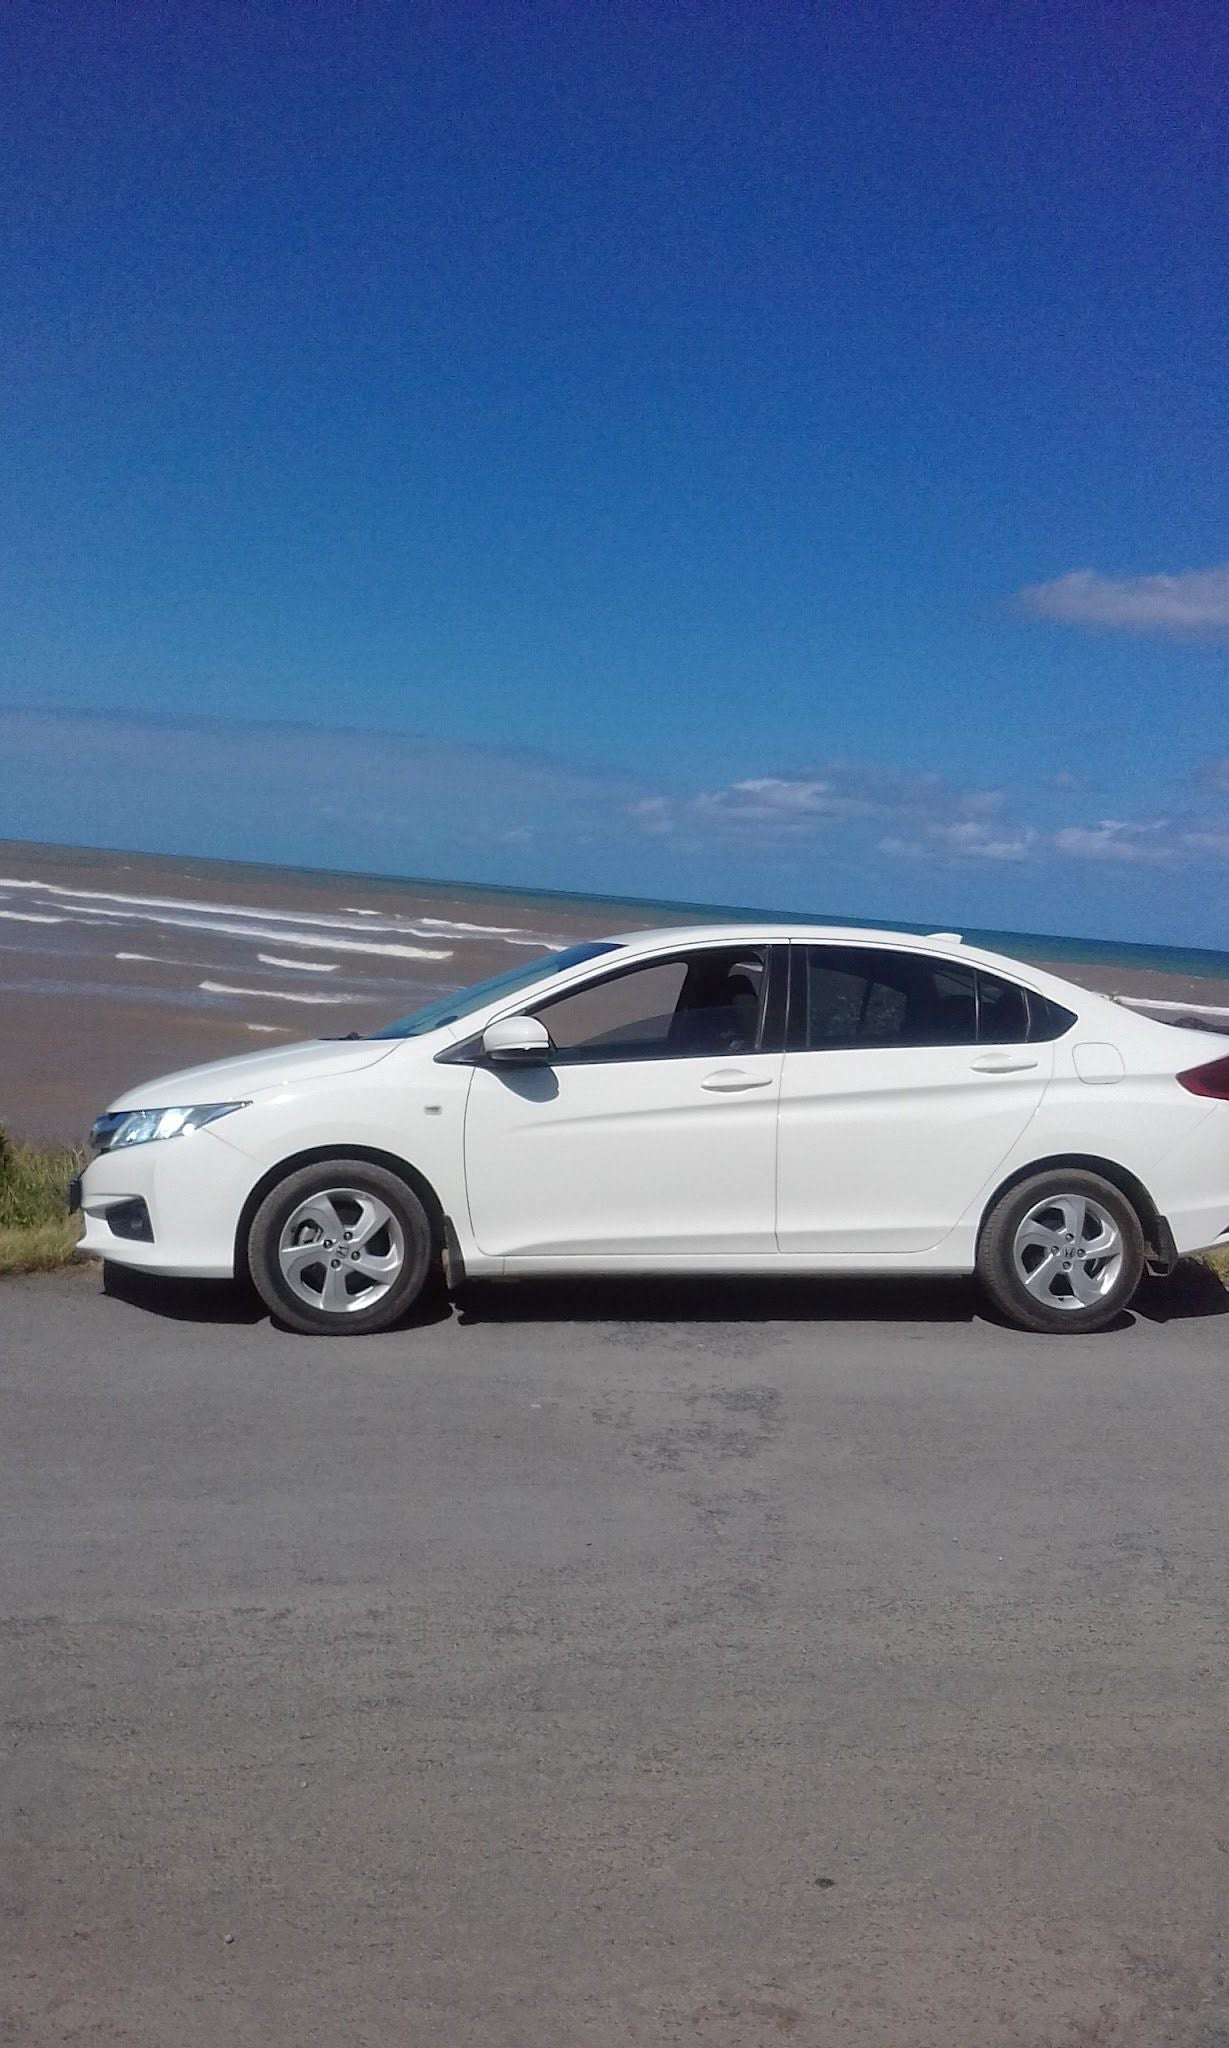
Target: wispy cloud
(967,839)
(784,804)
(1210,843)
(394,803)
(915,816)
(1115,839)
(285,792)
(1192,603)
(1156,842)
(869,809)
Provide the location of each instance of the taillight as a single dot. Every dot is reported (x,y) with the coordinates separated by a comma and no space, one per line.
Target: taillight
(1212,1080)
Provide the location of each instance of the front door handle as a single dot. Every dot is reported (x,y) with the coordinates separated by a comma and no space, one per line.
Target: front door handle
(733,1080)
(1005,1063)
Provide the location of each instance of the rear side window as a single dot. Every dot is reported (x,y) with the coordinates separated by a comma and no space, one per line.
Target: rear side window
(860,995)
(1047,1020)
(1002,1012)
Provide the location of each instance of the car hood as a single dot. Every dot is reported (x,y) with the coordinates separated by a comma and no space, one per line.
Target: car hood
(235,1080)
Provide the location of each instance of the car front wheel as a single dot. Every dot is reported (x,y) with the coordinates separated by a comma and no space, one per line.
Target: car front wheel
(340,1248)
(1062,1253)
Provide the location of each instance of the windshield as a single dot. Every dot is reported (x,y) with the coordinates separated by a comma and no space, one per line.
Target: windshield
(450,1009)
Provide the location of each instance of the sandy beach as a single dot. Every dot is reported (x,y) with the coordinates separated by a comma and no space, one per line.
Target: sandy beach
(119,966)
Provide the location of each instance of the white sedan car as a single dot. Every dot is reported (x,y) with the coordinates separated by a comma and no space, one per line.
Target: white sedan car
(746,1098)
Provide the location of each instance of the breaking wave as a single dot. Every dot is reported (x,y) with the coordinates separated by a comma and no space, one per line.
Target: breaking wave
(277,995)
(301,966)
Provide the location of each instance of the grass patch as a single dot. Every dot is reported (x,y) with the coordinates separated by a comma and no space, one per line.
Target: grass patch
(1219,1262)
(36,1232)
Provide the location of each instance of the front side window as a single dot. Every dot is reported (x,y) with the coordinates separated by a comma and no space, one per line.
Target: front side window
(695,1005)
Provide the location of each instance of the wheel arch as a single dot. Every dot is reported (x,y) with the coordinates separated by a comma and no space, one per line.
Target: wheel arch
(313,1155)
(1158,1240)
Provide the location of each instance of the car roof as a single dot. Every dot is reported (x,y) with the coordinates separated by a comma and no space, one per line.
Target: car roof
(769,931)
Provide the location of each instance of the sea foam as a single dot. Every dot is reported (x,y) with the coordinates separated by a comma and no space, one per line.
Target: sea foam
(301,966)
(277,995)
(92,902)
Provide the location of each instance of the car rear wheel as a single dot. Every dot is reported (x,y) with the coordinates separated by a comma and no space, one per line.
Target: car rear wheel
(1062,1253)
(340,1248)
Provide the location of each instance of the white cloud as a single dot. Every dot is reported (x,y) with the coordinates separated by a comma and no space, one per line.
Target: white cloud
(918,815)
(652,814)
(783,803)
(1212,844)
(1116,839)
(973,839)
(1193,602)
(962,839)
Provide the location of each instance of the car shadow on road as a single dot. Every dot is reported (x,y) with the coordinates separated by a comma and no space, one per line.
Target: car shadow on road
(226,1302)
(184,1301)
(1191,1291)
(717,1299)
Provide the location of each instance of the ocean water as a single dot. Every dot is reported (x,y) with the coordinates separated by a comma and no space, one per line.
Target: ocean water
(416,947)
(1036,946)
(1204,962)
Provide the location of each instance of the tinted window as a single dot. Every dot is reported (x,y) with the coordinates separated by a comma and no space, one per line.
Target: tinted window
(697,1004)
(1002,1011)
(1048,1020)
(859,995)
(838,993)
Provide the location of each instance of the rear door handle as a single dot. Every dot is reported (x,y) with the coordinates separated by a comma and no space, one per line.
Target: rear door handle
(733,1080)
(1005,1063)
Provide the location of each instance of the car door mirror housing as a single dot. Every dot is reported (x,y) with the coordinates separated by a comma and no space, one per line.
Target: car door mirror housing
(517,1042)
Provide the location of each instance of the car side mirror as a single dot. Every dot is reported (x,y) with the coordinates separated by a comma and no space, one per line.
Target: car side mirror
(517,1042)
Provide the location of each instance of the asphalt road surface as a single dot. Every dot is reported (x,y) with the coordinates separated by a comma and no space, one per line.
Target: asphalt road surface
(628,1665)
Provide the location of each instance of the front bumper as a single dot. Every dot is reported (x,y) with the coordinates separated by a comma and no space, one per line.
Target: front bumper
(172,1207)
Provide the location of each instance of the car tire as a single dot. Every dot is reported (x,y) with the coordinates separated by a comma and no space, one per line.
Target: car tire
(1061,1253)
(341,1248)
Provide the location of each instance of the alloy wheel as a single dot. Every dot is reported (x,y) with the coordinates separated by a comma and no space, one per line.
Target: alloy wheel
(1068,1252)
(341,1250)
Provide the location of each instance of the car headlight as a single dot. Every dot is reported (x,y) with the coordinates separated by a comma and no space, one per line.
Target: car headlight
(120,1127)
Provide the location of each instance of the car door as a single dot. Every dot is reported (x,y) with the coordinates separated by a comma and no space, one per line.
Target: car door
(909,1078)
(652,1131)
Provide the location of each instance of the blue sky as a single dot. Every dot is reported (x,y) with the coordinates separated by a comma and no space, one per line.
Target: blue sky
(764,454)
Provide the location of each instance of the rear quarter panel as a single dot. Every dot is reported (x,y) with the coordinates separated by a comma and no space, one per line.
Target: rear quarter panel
(1114,1095)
